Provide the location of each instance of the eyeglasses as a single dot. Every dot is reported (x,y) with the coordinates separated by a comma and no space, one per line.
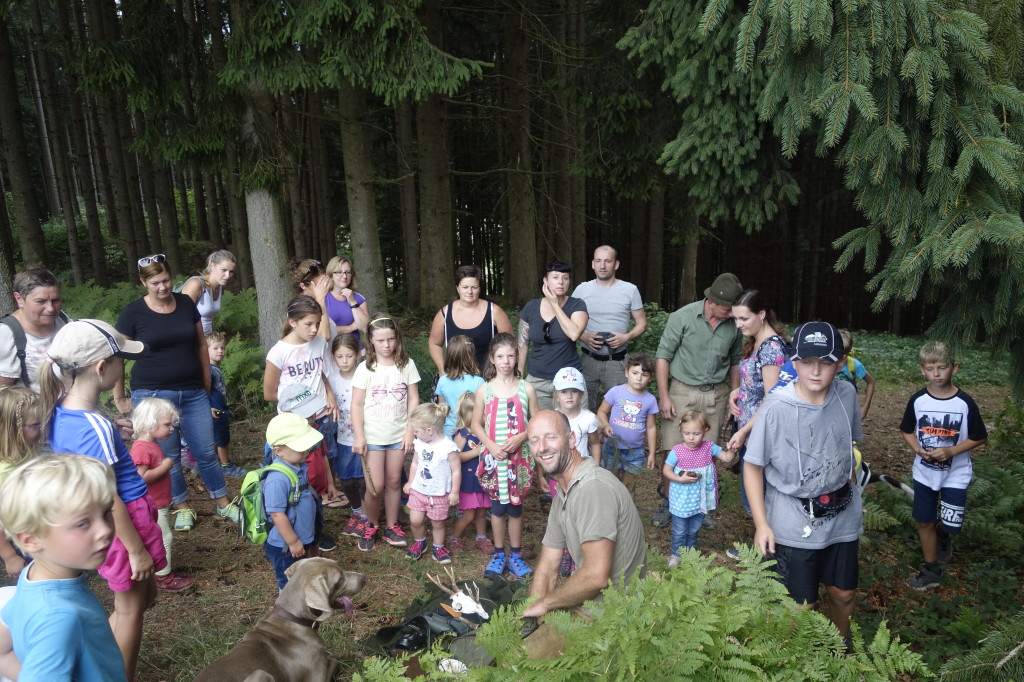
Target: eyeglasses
(155,258)
(343,272)
(547,333)
(316,266)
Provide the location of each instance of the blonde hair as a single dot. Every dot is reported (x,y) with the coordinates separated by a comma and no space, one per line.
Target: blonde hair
(694,416)
(464,415)
(215,337)
(936,351)
(53,388)
(384,321)
(16,404)
(218,257)
(335,264)
(460,357)
(430,415)
(149,411)
(42,490)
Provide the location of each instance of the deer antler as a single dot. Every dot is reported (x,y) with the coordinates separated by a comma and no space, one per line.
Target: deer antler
(437,581)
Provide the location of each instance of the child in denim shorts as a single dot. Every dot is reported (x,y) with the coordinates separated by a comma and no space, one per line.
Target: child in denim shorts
(627,418)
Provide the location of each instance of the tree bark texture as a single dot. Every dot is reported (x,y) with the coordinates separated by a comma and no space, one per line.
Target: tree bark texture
(26,210)
(357,156)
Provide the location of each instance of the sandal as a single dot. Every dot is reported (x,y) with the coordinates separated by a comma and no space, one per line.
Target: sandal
(339,502)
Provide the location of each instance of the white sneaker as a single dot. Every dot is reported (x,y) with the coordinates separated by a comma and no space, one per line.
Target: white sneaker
(673,561)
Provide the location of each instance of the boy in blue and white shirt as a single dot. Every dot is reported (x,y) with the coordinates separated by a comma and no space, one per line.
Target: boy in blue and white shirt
(941,424)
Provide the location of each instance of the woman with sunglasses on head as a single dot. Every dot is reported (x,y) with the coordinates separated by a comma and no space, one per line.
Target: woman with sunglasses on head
(207,289)
(344,306)
(550,327)
(309,277)
(176,367)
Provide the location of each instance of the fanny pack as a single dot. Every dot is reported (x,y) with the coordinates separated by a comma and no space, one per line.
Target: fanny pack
(827,505)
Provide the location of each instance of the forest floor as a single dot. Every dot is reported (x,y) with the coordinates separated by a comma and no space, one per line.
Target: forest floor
(235,585)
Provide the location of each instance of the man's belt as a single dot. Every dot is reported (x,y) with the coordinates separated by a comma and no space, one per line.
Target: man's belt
(703,388)
(604,358)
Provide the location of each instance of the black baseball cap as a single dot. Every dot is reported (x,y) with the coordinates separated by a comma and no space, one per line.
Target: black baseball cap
(817,340)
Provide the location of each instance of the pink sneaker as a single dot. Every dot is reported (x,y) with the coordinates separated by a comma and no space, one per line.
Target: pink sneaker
(456,544)
(484,545)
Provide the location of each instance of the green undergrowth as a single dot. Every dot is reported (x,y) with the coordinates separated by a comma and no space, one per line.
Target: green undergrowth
(695,622)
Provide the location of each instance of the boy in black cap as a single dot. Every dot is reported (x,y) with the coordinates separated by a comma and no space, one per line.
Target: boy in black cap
(798,471)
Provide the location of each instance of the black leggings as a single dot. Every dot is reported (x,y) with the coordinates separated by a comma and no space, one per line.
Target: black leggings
(354,489)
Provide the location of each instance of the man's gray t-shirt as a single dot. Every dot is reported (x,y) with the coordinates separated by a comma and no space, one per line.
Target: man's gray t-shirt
(597,507)
(610,308)
(806,450)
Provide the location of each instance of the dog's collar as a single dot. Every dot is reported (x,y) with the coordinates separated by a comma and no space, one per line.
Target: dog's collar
(306,622)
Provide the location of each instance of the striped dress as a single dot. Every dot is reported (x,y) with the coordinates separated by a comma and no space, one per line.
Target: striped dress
(506,481)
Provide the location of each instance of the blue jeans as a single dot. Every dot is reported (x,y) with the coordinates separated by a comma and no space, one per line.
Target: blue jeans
(196,423)
(684,531)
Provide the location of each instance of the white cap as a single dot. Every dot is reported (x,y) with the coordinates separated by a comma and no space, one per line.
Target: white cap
(81,343)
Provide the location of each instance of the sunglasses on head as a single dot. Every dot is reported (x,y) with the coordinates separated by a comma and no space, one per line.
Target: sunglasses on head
(155,258)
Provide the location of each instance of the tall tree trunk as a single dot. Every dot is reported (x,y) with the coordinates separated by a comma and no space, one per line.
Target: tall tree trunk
(82,150)
(168,213)
(6,252)
(435,183)
(199,198)
(691,242)
(407,200)
(239,222)
(49,173)
(236,203)
(356,148)
(216,227)
(186,211)
(103,25)
(26,210)
(299,231)
(522,207)
(155,239)
(56,133)
(655,247)
(267,241)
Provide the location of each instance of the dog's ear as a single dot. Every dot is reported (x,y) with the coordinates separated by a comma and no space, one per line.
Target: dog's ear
(318,590)
(290,571)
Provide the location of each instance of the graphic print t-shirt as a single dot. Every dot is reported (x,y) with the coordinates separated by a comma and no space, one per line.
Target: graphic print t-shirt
(942,423)
(385,408)
(629,414)
(434,475)
(301,364)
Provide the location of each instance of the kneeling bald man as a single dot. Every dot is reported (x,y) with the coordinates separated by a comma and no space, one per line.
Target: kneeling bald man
(592,515)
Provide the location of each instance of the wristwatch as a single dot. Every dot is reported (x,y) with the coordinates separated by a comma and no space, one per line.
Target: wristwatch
(355,305)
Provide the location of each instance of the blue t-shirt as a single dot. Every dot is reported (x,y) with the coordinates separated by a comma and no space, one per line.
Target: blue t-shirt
(61,632)
(629,415)
(451,390)
(89,433)
(302,515)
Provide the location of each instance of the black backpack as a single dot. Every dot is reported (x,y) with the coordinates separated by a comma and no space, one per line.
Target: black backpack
(19,338)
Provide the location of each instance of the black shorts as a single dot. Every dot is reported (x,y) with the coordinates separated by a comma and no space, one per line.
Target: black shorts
(803,569)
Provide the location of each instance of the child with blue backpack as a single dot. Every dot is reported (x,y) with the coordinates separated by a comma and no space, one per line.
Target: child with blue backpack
(290,505)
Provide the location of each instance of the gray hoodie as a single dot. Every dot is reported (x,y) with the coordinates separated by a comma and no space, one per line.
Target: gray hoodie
(806,450)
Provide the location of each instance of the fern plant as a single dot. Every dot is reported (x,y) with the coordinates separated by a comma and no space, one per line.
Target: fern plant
(694,622)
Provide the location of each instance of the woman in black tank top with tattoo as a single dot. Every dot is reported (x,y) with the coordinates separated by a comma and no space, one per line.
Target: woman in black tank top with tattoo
(475,317)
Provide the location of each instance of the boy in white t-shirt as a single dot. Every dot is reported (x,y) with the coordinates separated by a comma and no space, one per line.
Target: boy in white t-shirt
(941,424)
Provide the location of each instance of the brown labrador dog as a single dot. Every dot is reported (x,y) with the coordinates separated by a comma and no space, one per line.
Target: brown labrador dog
(284,646)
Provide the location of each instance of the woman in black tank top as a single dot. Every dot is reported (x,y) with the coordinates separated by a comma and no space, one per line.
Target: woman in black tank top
(477,318)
